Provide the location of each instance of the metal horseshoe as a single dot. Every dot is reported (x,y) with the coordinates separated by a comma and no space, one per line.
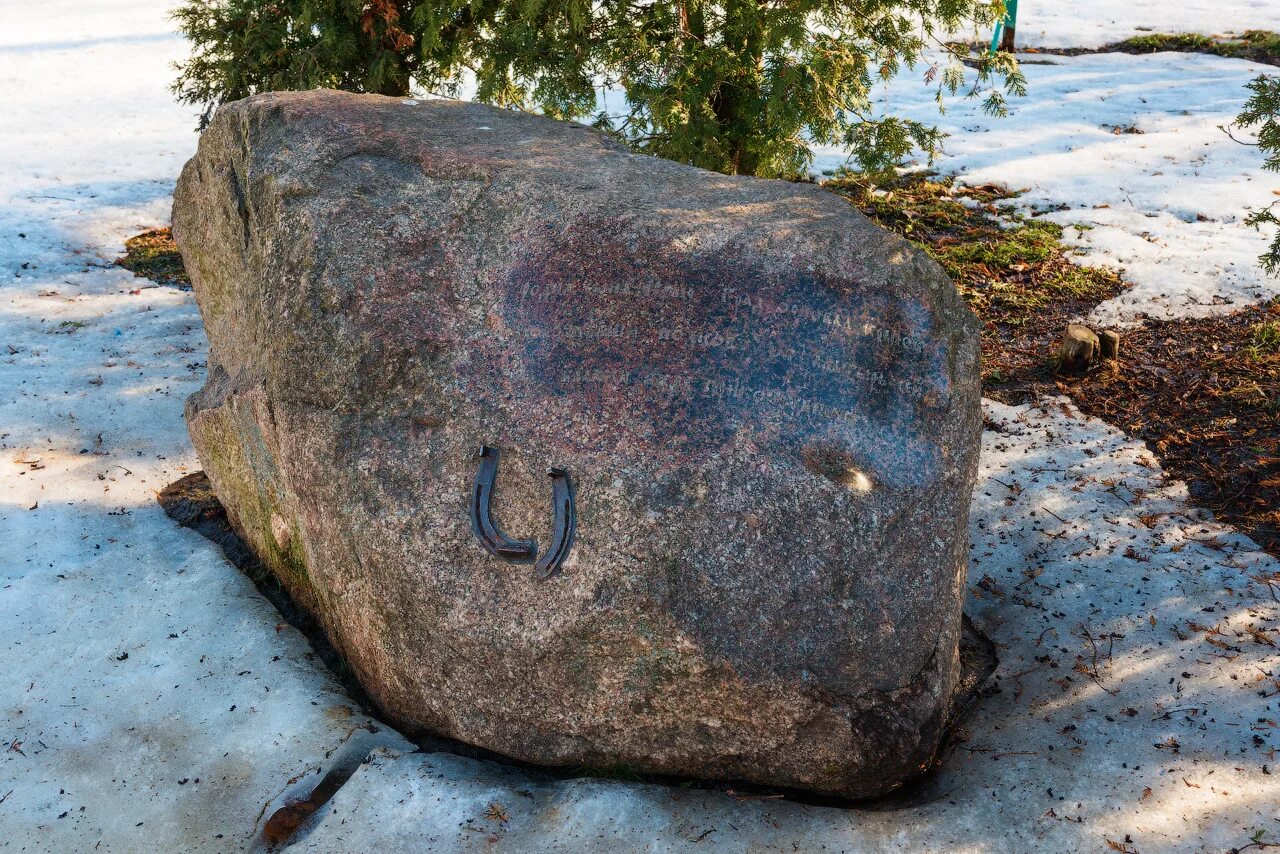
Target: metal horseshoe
(498,544)
(482,525)
(566,523)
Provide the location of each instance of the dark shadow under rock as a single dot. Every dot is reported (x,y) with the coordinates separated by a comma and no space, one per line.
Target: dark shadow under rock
(192,503)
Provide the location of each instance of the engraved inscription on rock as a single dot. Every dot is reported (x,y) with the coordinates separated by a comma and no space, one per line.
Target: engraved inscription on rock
(666,344)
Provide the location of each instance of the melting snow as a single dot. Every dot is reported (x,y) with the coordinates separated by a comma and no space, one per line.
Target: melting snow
(1131,149)
(1093,23)
(153,700)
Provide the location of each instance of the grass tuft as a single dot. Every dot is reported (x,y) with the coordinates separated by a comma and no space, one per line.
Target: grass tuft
(153,255)
(1258,45)
(1265,339)
(1012,269)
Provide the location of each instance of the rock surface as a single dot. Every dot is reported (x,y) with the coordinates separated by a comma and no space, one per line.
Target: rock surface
(767,407)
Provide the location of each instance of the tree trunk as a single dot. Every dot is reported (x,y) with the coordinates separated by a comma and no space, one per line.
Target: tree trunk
(1007,41)
(398,87)
(733,107)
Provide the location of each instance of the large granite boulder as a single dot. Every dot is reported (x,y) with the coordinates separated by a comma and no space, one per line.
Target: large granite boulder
(759,410)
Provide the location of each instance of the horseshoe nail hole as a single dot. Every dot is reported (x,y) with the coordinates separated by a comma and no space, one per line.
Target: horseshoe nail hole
(838,466)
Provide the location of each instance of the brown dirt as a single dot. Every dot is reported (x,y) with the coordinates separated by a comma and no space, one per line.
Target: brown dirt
(1204,394)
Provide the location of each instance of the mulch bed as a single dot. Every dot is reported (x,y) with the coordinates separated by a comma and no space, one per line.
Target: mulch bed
(1204,394)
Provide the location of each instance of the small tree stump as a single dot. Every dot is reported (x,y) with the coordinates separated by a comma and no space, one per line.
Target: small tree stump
(1110,340)
(1079,348)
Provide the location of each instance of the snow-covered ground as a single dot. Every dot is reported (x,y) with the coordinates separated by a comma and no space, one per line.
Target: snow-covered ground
(1093,23)
(152,700)
(1131,148)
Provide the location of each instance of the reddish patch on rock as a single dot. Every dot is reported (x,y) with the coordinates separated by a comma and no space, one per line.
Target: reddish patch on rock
(624,345)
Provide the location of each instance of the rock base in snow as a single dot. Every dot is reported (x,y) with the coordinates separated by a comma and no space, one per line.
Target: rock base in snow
(760,412)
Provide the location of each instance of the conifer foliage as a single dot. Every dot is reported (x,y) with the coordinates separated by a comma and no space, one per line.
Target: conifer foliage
(739,86)
(1262,111)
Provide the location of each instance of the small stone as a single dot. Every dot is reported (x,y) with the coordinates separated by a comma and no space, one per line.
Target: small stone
(1079,348)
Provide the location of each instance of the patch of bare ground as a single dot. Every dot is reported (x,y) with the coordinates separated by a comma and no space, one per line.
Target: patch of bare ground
(1256,45)
(153,255)
(1203,393)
